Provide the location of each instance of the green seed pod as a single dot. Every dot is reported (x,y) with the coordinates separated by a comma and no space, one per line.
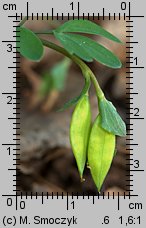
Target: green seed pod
(79,132)
(101,150)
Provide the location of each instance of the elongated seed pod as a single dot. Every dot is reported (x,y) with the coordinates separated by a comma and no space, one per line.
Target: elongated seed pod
(79,132)
(101,150)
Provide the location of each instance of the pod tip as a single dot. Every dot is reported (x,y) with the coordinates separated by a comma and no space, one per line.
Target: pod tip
(82,179)
(88,166)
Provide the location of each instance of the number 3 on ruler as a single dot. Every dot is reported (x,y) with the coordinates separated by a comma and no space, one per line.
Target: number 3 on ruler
(10,48)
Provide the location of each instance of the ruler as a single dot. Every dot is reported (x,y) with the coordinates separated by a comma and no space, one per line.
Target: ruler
(19,209)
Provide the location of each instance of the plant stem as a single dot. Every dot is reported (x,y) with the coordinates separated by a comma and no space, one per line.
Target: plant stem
(85,69)
(88,71)
(23,21)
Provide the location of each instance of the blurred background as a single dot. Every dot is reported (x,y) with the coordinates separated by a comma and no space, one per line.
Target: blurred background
(46,159)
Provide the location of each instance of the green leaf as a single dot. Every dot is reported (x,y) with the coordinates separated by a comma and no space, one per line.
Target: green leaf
(74,46)
(111,120)
(86,26)
(87,49)
(29,44)
(46,84)
(55,78)
(76,99)
(101,149)
(70,103)
(59,74)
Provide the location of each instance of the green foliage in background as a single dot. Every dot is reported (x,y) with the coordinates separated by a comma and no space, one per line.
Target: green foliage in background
(55,78)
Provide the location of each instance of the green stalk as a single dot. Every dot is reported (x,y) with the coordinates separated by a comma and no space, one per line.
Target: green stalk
(85,69)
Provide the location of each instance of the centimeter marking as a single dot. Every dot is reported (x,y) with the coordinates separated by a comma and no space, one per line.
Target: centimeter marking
(130,115)
(69,198)
(129,95)
(73,16)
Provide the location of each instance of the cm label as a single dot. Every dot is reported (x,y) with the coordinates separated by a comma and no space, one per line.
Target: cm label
(9,7)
